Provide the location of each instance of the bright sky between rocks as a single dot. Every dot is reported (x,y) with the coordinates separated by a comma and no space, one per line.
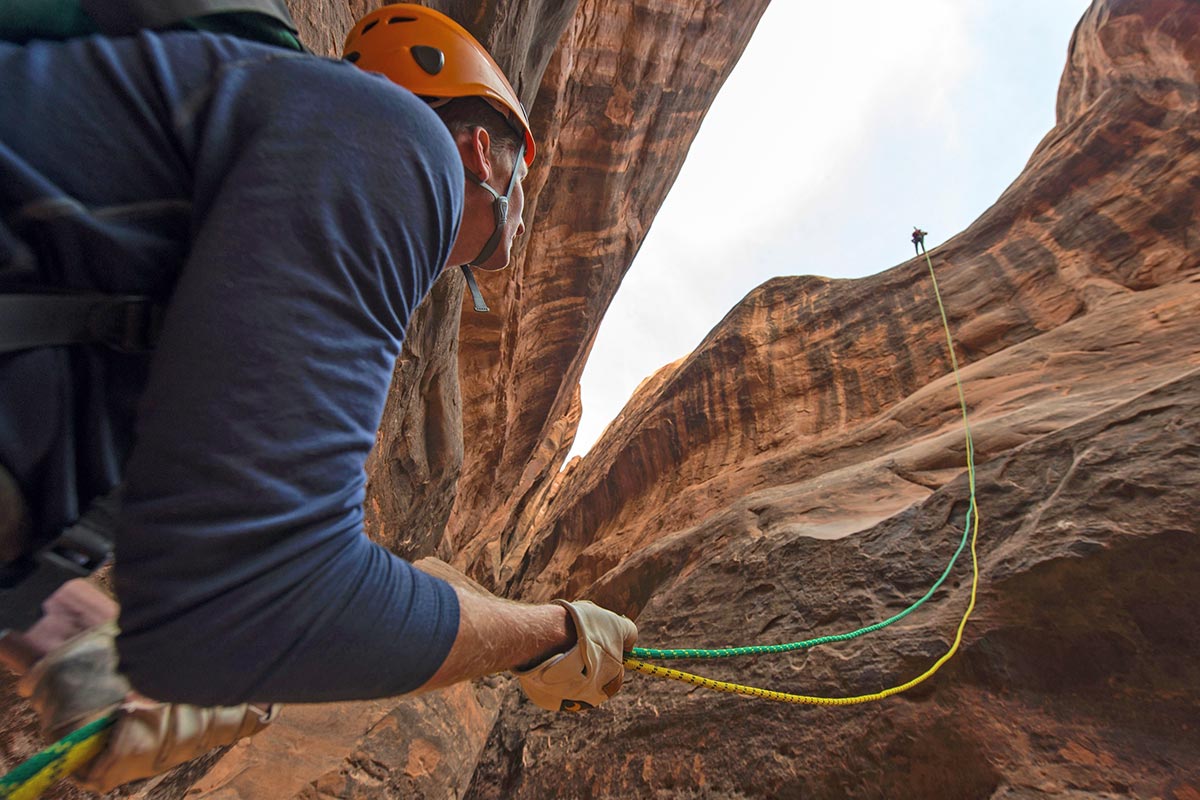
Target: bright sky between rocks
(842,126)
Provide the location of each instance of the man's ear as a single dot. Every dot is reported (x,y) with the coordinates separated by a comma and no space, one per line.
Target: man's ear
(475,148)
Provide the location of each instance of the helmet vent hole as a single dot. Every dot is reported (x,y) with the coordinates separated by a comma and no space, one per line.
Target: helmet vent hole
(352,57)
(428,58)
(369,25)
(394,20)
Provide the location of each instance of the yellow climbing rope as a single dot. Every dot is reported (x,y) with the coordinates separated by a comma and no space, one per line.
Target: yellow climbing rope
(35,776)
(39,773)
(973,517)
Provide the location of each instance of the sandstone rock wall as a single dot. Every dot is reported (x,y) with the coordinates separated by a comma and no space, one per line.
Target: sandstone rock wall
(620,102)
(616,92)
(801,473)
(808,375)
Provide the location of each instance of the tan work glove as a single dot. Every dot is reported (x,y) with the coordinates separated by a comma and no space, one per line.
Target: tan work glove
(591,671)
(78,682)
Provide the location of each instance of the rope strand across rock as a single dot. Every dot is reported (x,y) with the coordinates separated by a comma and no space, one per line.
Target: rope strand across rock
(29,780)
(633,659)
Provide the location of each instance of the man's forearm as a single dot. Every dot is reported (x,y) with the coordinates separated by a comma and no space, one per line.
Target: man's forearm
(496,635)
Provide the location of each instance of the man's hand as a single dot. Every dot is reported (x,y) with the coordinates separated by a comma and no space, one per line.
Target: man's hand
(591,671)
(576,649)
(78,682)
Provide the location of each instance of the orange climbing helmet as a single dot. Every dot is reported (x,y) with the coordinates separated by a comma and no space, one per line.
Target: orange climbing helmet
(433,57)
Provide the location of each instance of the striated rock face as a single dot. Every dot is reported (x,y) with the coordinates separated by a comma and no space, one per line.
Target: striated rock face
(617,90)
(808,376)
(621,99)
(802,472)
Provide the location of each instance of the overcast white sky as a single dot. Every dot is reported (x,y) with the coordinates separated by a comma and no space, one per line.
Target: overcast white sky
(842,126)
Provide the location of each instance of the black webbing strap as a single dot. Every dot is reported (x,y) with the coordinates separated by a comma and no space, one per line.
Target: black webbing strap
(476,296)
(77,552)
(127,323)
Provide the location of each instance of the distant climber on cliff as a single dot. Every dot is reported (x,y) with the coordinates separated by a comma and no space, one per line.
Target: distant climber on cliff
(918,239)
(210,248)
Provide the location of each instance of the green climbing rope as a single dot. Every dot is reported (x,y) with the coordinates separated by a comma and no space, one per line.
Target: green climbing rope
(37,774)
(755,650)
(29,780)
(766,649)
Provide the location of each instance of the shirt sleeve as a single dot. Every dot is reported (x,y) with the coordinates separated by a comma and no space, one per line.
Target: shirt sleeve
(326,204)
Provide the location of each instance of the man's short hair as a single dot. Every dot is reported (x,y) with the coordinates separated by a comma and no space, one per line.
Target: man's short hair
(464,113)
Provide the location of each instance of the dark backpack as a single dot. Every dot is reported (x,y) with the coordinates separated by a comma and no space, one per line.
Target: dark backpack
(32,316)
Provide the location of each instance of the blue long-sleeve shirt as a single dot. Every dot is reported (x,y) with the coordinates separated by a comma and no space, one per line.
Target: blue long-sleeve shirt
(291,212)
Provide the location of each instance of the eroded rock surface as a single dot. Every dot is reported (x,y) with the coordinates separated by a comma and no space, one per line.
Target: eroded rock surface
(617,91)
(802,472)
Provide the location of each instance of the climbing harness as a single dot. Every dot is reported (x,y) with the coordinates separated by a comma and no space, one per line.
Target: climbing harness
(30,779)
(633,659)
(124,323)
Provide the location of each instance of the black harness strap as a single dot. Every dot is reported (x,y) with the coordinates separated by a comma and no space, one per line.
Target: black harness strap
(126,323)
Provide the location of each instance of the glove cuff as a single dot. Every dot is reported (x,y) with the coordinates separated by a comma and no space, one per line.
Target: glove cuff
(151,738)
(590,672)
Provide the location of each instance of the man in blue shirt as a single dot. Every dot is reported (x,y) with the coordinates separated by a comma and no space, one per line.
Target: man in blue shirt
(289,213)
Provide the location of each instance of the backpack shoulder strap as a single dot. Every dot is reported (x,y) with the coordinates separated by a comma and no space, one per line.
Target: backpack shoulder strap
(265,21)
(22,21)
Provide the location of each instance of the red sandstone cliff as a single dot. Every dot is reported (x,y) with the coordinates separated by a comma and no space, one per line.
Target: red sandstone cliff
(617,91)
(801,473)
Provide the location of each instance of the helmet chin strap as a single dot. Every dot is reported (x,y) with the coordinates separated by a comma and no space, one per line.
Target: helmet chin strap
(499,218)
(473,287)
